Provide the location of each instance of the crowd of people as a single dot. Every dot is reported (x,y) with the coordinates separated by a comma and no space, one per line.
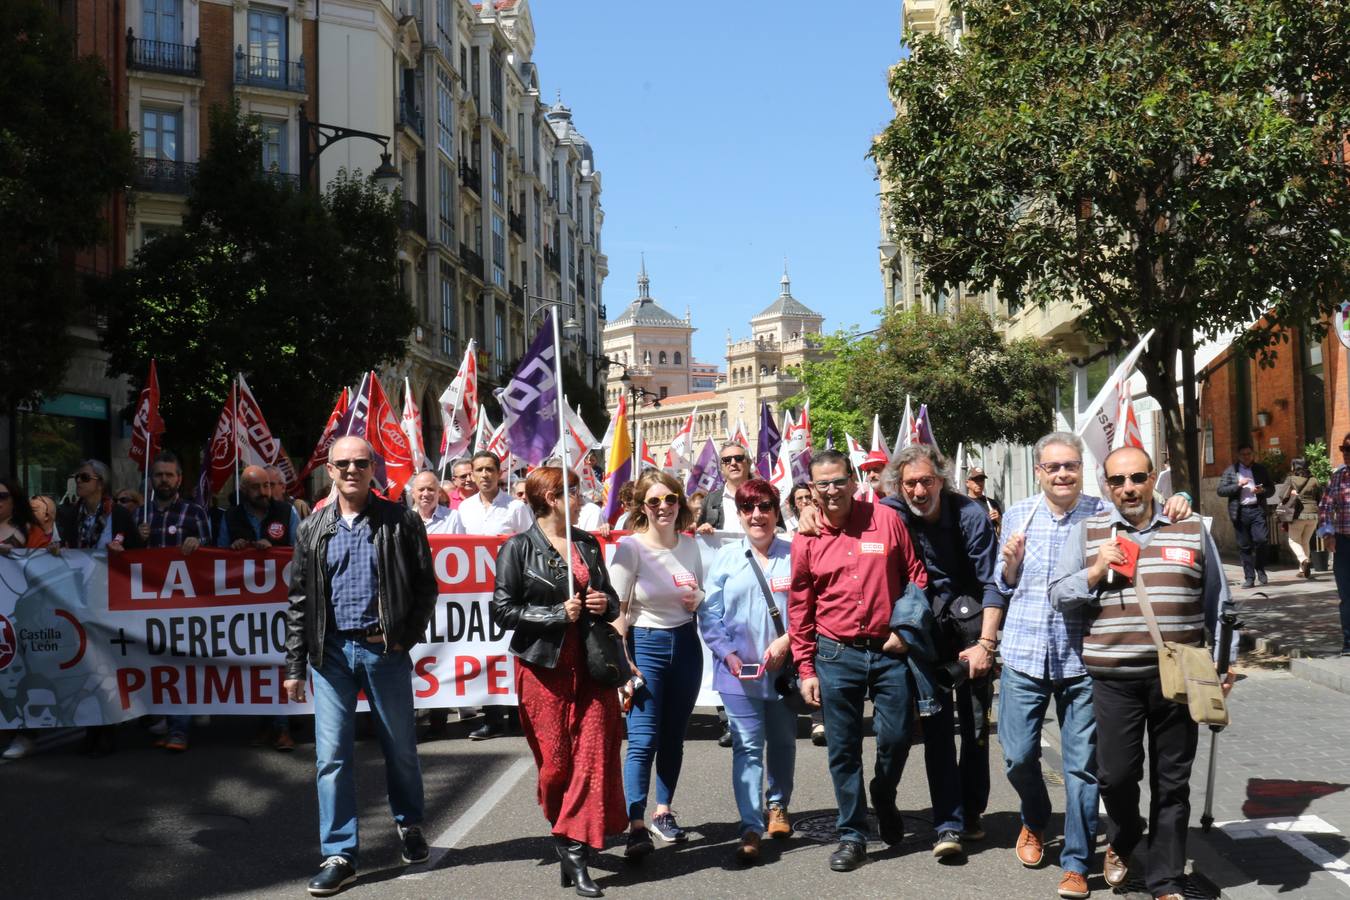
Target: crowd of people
(901,591)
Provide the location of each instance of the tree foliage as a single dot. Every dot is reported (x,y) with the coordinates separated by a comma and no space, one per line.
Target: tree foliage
(979,388)
(1168,165)
(297,291)
(61,158)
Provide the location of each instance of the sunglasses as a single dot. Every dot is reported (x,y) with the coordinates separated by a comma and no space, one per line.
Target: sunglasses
(85,477)
(1051,468)
(658,502)
(837,484)
(127,501)
(763,506)
(1135,477)
(733,460)
(345,464)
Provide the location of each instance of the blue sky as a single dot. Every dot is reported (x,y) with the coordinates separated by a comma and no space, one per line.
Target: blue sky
(730,135)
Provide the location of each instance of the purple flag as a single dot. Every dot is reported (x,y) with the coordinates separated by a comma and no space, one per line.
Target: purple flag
(770,439)
(706,475)
(530,401)
(356,422)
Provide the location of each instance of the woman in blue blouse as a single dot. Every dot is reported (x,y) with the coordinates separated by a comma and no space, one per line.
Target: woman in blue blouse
(739,630)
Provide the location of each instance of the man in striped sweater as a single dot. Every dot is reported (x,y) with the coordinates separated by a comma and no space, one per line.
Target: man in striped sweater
(1187,590)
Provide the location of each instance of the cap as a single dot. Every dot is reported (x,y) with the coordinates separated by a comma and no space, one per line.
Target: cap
(875,460)
(974,472)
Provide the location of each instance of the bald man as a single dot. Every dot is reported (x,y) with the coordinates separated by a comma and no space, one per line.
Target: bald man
(426,499)
(258,521)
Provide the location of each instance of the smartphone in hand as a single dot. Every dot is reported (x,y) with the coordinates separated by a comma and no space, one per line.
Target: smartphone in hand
(751,671)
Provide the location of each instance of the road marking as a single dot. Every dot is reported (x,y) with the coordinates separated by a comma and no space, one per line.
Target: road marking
(1291,830)
(469,819)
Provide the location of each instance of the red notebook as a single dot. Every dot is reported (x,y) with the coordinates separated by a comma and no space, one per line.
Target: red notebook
(1131,551)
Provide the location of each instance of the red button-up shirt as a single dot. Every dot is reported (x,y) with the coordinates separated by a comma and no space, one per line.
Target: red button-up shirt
(845,580)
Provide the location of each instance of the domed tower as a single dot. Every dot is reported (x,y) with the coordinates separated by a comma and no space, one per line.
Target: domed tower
(651,342)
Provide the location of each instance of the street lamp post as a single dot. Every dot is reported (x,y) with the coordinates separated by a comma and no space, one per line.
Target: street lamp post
(386,175)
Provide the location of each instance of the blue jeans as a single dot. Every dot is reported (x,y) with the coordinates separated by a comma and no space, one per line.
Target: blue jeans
(1340,567)
(349,666)
(671,663)
(757,725)
(848,677)
(1022,703)
(946,781)
(179,726)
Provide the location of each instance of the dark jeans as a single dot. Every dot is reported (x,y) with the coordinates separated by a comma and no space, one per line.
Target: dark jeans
(671,663)
(946,782)
(1252,536)
(1341,567)
(1128,710)
(974,699)
(848,678)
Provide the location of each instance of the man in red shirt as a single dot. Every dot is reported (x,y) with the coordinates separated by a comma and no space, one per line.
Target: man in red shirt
(845,582)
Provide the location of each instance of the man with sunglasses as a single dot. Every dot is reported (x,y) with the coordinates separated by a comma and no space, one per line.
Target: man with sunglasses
(461,478)
(846,579)
(1042,661)
(362,591)
(1247,486)
(719,508)
(1096,576)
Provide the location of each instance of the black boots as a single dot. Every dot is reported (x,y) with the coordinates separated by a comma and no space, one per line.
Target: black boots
(573,857)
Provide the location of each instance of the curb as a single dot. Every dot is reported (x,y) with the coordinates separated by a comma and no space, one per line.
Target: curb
(1333,672)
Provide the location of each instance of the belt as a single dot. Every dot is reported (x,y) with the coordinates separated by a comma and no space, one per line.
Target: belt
(861,642)
(369,631)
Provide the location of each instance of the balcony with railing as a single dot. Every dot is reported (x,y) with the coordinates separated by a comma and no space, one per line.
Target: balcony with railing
(409,116)
(163,176)
(517,295)
(164,57)
(411,218)
(552,259)
(600,311)
(471,178)
(472,262)
(516,221)
(581,286)
(268,72)
(281,179)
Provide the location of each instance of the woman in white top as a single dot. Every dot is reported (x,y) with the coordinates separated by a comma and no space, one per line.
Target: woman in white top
(658,576)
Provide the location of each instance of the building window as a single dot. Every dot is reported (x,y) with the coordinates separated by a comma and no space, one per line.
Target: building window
(498,250)
(661,357)
(274,146)
(499,355)
(678,359)
(445,24)
(1314,390)
(495,86)
(498,176)
(476,78)
(162,20)
(463,62)
(159,133)
(267,42)
(446,195)
(664,392)
(553,183)
(534,140)
(445,113)
(447,309)
(538,219)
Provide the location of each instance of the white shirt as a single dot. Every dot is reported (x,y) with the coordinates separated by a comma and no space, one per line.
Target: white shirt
(653,580)
(588,517)
(730,520)
(1247,480)
(504,515)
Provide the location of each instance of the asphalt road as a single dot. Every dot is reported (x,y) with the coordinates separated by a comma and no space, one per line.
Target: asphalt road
(229,820)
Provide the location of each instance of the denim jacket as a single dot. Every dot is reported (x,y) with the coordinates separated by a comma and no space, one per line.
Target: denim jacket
(912,618)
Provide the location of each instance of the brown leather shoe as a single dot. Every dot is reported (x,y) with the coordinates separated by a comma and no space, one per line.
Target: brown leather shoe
(1074,886)
(1171,897)
(1114,869)
(1030,848)
(779,826)
(748,851)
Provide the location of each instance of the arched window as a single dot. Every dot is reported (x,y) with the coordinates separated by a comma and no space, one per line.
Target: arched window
(661,357)
(724,421)
(646,357)
(763,370)
(679,360)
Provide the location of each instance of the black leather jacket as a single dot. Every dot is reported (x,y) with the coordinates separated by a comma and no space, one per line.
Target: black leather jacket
(531,587)
(407,593)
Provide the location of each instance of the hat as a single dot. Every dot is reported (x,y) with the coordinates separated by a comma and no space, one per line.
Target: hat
(974,472)
(875,460)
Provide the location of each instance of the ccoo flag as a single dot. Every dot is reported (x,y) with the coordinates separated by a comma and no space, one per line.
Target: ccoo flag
(706,475)
(766,455)
(529,401)
(147,426)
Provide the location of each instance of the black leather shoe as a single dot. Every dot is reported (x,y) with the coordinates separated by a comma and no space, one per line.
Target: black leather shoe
(573,857)
(890,824)
(334,875)
(849,856)
(415,849)
(726,739)
(486,732)
(639,844)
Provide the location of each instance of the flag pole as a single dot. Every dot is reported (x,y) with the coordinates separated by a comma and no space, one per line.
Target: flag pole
(562,422)
(235,429)
(145,503)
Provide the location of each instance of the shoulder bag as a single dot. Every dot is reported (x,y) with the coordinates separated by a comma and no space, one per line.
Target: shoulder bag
(786,684)
(606,658)
(1187,673)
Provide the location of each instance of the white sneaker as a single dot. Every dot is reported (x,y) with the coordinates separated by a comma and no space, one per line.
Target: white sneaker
(159,727)
(21,746)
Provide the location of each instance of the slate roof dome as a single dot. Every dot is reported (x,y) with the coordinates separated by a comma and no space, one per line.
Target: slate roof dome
(787,305)
(646,311)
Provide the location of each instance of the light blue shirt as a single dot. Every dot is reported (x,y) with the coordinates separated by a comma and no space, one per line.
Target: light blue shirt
(734,616)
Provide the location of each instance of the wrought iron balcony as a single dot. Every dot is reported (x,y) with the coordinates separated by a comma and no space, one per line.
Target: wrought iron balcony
(280,178)
(163,176)
(471,178)
(581,286)
(516,221)
(162,56)
(408,115)
(269,72)
(472,262)
(411,218)
(518,294)
(601,313)
(552,260)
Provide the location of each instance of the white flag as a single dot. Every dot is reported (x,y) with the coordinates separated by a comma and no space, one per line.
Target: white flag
(1097,426)
(411,423)
(459,408)
(905,436)
(681,452)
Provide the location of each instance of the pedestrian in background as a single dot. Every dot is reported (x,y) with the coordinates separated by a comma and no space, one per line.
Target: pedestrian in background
(1297,512)
(1246,484)
(570,721)
(44,513)
(658,575)
(131,501)
(1333,520)
(719,508)
(799,496)
(975,483)
(744,623)
(19,528)
(362,591)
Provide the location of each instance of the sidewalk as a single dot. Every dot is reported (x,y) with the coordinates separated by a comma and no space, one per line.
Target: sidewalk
(1291,616)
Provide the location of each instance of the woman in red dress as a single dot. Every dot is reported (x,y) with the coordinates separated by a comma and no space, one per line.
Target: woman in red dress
(570,721)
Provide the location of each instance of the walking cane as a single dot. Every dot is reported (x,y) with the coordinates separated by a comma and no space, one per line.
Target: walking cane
(1227,622)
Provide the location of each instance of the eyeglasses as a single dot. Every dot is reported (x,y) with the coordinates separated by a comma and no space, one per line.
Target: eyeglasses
(1051,468)
(84,477)
(835,484)
(763,506)
(733,460)
(462,477)
(1135,477)
(658,502)
(345,464)
(127,501)
(926,480)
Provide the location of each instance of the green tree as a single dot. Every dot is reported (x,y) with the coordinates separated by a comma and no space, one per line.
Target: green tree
(297,291)
(979,388)
(1175,166)
(62,157)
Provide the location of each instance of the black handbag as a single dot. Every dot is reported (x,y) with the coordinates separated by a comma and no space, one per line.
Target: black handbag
(960,625)
(787,684)
(606,658)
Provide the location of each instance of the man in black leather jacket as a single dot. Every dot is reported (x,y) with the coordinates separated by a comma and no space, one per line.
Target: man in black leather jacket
(362,591)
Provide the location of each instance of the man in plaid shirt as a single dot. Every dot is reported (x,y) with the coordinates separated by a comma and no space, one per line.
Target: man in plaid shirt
(1041,651)
(1333,520)
(171,521)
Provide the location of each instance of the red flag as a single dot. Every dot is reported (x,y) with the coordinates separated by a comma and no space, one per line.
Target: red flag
(220,455)
(330,434)
(287,469)
(257,445)
(387,438)
(147,426)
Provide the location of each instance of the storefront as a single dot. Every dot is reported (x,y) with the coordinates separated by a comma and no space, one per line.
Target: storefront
(50,441)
